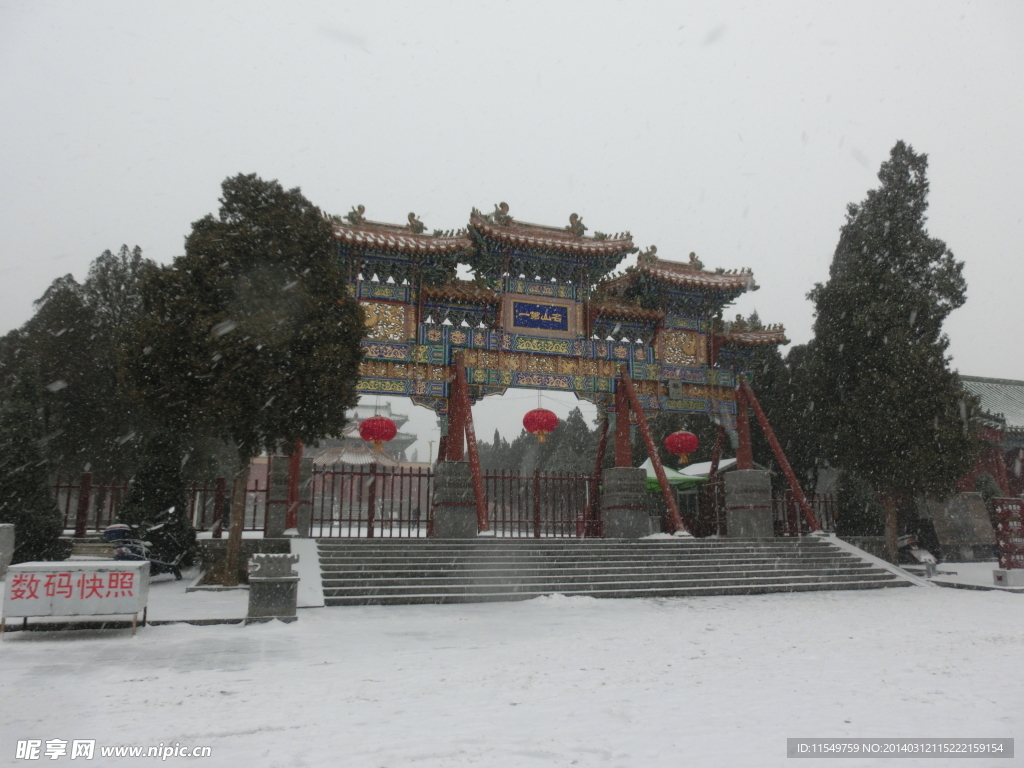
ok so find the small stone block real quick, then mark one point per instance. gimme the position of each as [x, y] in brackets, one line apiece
[1013, 577]
[272, 566]
[273, 586]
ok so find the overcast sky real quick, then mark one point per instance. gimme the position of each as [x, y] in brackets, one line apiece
[739, 131]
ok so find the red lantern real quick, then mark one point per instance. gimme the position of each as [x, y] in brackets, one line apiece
[681, 443]
[378, 430]
[539, 422]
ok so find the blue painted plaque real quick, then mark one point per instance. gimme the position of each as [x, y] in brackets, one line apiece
[549, 317]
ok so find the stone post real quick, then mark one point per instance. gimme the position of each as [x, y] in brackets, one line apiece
[624, 503]
[454, 503]
[748, 504]
[6, 547]
[273, 588]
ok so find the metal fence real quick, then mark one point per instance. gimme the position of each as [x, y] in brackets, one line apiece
[789, 519]
[209, 504]
[703, 511]
[89, 504]
[371, 500]
[541, 505]
[374, 500]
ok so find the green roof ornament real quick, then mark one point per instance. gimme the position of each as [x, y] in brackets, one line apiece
[576, 225]
[355, 216]
[415, 224]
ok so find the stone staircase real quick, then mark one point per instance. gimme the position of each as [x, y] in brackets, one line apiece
[402, 571]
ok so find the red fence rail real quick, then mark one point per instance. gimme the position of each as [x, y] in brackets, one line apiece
[376, 500]
[90, 504]
[371, 500]
[1009, 517]
[541, 505]
[209, 503]
[789, 519]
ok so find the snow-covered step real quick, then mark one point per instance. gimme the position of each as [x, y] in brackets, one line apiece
[393, 571]
[574, 577]
[580, 569]
[739, 589]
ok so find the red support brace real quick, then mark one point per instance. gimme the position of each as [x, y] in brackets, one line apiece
[716, 454]
[456, 422]
[780, 455]
[666, 492]
[623, 450]
[462, 396]
[744, 451]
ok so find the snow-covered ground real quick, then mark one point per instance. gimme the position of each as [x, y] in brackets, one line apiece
[974, 574]
[556, 681]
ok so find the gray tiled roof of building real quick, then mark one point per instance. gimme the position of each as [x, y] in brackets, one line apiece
[999, 396]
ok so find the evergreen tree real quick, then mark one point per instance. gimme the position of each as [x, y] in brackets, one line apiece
[157, 486]
[887, 406]
[251, 335]
[784, 389]
[26, 499]
[70, 347]
[571, 448]
[496, 454]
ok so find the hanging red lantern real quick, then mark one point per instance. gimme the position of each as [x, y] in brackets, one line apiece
[378, 430]
[681, 443]
[539, 422]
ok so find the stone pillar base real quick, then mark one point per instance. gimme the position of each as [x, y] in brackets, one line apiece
[624, 503]
[454, 503]
[748, 504]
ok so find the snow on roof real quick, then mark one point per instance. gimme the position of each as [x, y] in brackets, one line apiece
[999, 397]
[703, 468]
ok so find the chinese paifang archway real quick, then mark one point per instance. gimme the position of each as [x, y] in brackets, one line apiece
[543, 313]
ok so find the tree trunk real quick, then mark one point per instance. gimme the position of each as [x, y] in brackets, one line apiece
[237, 521]
[891, 531]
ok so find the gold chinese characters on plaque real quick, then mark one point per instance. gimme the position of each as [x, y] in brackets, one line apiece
[384, 321]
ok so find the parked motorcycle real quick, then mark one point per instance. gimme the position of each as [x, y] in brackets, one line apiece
[154, 543]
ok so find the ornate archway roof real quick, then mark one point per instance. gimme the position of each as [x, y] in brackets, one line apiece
[680, 274]
[763, 337]
[502, 229]
[506, 247]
